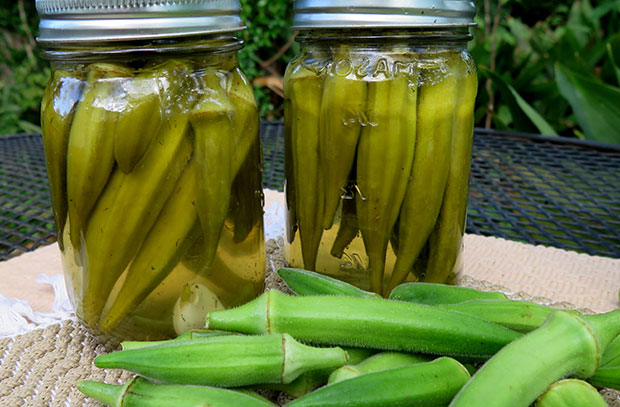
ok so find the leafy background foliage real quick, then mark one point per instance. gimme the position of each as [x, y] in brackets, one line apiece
[545, 66]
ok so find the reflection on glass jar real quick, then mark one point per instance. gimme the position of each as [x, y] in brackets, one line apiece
[379, 129]
[154, 163]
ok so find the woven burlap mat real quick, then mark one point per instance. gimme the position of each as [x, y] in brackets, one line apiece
[41, 368]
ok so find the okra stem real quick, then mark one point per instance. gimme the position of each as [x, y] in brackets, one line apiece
[366, 322]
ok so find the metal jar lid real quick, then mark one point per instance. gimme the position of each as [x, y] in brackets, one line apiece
[311, 14]
[81, 21]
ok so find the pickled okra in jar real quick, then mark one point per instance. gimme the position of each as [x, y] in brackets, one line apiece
[154, 163]
[379, 129]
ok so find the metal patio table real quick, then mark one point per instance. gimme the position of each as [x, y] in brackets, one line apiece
[534, 189]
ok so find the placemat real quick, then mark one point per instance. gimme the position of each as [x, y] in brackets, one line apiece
[41, 368]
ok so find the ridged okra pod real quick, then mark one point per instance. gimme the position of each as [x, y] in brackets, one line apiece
[436, 100]
[226, 360]
[425, 384]
[245, 120]
[566, 345]
[57, 111]
[607, 376]
[304, 282]
[127, 209]
[211, 120]
[445, 241]
[434, 294]
[316, 378]
[247, 157]
[384, 159]
[169, 237]
[90, 149]
[571, 393]
[191, 335]
[304, 89]
[342, 116]
[289, 167]
[521, 316]
[365, 322]
[139, 392]
[376, 363]
[348, 228]
[611, 357]
[141, 114]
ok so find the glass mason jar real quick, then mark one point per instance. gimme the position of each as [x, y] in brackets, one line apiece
[379, 124]
[154, 162]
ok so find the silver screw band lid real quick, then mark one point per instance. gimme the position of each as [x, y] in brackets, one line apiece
[80, 21]
[310, 14]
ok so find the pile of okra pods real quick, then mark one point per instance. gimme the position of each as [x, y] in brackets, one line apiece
[333, 344]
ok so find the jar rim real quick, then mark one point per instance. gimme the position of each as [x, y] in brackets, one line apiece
[321, 14]
[87, 21]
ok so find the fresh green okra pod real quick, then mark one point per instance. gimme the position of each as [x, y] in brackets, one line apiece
[229, 361]
[424, 384]
[433, 294]
[379, 362]
[521, 316]
[566, 345]
[607, 377]
[366, 322]
[139, 392]
[191, 335]
[611, 357]
[311, 380]
[304, 282]
[571, 393]
[608, 374]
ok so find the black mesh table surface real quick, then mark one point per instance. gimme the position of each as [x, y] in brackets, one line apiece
[528, 188]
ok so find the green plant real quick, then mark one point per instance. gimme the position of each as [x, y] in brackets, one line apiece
[549, 67]
[23, 73]
[268, 48]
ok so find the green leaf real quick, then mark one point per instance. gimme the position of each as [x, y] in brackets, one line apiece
[612, 60]
[508, 91]
[595, 104]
